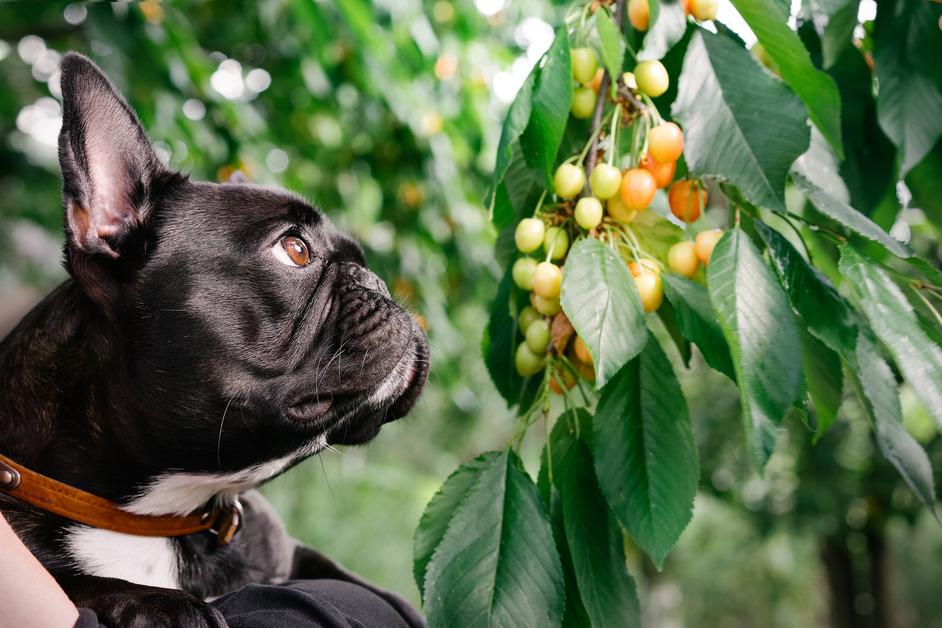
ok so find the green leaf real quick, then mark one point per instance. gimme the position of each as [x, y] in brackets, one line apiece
[824, 311]
[438, 513]
[869, 164]
[514, 124]
[841, 21]
[600, 298]
[893, 320]
[739, 122]
[762, 335]
[907, 49]
[612, 43]
[848, 216]
[500, 341]
[819, 165]
[666, 29]
[593, 536]
[497, 564]
[876, 388]
[669, 320]
[576, 615]
[551, 99]
[925, 183]
[814, 87]
[824, 380]
[518, 194]
[698, 322]
[645, 454]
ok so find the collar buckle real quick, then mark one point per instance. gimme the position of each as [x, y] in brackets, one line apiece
[228, 522]
[9, 477]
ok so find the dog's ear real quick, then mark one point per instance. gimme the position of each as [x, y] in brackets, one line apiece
[108, 165]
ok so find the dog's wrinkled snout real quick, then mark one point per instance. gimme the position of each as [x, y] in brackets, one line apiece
[364, 278]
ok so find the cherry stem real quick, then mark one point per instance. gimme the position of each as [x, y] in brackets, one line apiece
[600, 103]
[929, 305]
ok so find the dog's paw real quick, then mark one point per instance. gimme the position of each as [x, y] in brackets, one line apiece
[156, 608]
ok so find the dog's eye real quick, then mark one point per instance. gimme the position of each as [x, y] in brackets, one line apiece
[292, 251]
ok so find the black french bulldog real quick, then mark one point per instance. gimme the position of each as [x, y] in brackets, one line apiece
[210, 337]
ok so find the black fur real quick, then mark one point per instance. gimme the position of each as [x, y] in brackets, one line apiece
[182, 345]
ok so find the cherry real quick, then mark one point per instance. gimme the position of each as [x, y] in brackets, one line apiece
[665, 142]
[582, 351]
[523, 272]
[527, 362]
[529, 234]
[650, 290]
[538, 336]
[682, 259]
[586, 371]
[583, 102]
[617, 210]
[584, 64]
[703, 9]
[646, 265]
[706, 242]
[605, 181]
[568, 181]
[596, 83]
[663, 173]
[639, 14]
[561, 378]
[589, 212]
[546, 307]
[526, 317]
[638, 188]
[556, 242]
[652, 78]
[547, 280]
[687, 199]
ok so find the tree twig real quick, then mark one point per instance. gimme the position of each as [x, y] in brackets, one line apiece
[600, 103]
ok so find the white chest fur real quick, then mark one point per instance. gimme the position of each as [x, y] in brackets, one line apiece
[140, 559]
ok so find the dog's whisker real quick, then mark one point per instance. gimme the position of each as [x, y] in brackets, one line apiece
[219, 438]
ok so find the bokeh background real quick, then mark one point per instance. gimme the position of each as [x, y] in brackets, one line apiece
[386, 113]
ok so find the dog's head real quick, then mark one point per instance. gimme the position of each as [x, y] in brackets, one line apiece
[240, 325]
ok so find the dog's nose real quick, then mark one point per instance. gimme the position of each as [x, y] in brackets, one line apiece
[364, 278]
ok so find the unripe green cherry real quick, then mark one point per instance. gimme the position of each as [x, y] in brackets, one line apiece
[526, 317]
[546, 307]
[527, 362]
[589, 212]
[584, 64]
[529, 234]
[568, 181]
[523, 272]
[538, 336]
[652, 78]
[605, 181]
[547, 281]
[556, 243]
[583, 102]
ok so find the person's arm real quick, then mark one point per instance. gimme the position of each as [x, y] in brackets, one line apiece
[29, 596]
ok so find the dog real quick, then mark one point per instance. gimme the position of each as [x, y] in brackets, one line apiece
[210, 337]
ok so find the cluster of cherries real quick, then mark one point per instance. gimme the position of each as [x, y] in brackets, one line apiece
[639, 13]
[613, 200]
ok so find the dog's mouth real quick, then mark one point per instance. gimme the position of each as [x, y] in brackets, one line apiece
[319, 411]
[310, 409]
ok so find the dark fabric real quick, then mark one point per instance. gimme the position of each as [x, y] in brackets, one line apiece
[300, 603]
[87, 619]
[313, 603]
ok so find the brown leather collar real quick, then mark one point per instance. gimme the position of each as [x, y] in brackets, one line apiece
[67, 501]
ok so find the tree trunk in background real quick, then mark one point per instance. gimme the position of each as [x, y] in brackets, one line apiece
[840, 574]
[876, 548]
[849, 579]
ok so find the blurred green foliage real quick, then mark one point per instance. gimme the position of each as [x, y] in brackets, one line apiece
[386, 113]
